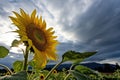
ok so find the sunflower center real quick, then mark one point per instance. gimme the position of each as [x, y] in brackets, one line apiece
[37, 36]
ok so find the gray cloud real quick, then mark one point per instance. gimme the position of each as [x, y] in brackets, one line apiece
[104, 32]
[3, 44]
[11, 58]
[96, 28]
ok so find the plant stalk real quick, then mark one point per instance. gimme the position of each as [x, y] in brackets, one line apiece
[52, 70]
[26, 59]
[7, 69]
[69, 72]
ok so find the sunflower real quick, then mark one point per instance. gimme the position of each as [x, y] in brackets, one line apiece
[32, 29]
[54, 71]
[42, 76]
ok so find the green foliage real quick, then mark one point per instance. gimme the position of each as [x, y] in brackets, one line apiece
[79, 72]
[79, 75]
[15, 43]
[3, 52]
[17, 66]
[85, 70]
[116, 74]
[76, 57]
[18, 76]
[31, 63]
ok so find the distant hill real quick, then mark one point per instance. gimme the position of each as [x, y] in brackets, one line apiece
[95, 66]
[66, 66]
[6, 64]
[101, 67]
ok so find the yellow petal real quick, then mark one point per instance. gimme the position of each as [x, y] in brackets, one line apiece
[17, 15]
[33, 14]
[36, 21]
[17, 23]
[39, 58]
[50, 29]
[44, 25]
[13, 19]
[23, 13]
[40, 20]
[51, 55]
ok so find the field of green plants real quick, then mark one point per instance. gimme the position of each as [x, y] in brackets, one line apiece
[78, 73]
[75, 72]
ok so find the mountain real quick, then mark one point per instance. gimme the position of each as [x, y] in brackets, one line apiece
[101, 67]
[95, 66]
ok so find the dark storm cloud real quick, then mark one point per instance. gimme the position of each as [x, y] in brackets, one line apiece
[100, 28]
[3, 10]
[103, 31]
[96, 28]
[63, 47]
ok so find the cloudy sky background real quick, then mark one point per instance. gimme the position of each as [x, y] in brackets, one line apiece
[81, 25]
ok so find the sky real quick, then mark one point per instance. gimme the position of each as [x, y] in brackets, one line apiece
[81, 25]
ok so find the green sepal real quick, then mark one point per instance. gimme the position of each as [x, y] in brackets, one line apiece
[16, 43]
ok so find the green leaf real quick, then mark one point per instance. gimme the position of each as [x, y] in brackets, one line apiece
[79, 75]
[34, 66]
[31, 63]
[17, 66]
[3, 52]
[76, 57]
[85, 70]
[16, 43]
[18, 76]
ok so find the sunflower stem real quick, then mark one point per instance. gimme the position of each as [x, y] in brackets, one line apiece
[26, 59]
[69, 72]
[52, 70]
